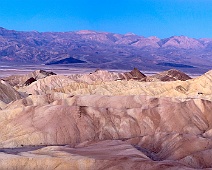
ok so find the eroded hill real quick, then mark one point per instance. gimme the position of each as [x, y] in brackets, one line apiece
[107, 120]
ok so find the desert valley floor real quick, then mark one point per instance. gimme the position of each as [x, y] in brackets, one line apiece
[95, 120]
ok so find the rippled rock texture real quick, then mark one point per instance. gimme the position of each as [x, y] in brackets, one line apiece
[99, 122]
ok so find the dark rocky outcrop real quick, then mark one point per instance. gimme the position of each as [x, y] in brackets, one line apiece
[135, 74]
[30, 81]
[170, 75]
[45, 73]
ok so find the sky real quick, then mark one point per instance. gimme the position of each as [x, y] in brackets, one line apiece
[161, 18]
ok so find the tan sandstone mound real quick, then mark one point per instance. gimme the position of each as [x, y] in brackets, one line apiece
[135, 74]
[20, 80]
[154, 130]
[109, 154]
[104, 117]
[105, 121]
[45, 85]
[98, 75]
[105, 76]
[199, 87]
[7, 93]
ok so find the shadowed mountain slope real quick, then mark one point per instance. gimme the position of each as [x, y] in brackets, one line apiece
[105, 50]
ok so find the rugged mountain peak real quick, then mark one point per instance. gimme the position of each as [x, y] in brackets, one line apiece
[86, 32]
[4, 31]
[1, 28]
[151, 42]
[182, 42]
[129, 34]
[154, 38]
[104, 50]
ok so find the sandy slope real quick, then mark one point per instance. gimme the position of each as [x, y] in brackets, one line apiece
[97, 122]
[199, 87]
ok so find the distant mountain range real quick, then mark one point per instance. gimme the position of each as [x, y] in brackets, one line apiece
[105, 50]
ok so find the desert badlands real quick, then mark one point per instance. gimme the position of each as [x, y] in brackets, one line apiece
[106, 120]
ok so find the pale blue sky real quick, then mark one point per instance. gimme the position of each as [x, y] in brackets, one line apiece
[161, 18]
